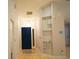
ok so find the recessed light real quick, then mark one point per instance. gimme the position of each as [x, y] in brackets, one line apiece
[29, 12]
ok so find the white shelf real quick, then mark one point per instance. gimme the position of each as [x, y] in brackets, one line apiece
[46, 17]
[46, 27]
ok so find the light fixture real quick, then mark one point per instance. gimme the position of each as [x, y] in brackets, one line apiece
[29, 13]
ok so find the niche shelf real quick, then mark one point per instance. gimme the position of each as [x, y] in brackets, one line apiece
[46, 28]
[46, 23]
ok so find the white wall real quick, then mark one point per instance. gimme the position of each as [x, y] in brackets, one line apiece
[13, 39]
[30, 22]
[61, 13]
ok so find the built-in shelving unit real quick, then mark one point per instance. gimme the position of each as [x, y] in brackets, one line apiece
[46, 23]
[46, 26]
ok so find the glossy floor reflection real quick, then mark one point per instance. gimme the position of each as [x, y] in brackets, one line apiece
[36, 54]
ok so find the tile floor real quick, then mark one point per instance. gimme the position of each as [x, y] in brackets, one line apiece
[35, 54]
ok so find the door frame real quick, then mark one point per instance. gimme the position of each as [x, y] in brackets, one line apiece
[33, 38]
[12, 39]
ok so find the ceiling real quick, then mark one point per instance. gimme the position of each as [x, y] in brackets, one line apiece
[32, 5]
[29, 5]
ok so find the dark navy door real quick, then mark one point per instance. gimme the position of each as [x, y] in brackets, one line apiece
[26, 37]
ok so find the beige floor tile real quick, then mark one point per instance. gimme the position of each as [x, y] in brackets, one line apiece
[36, 54]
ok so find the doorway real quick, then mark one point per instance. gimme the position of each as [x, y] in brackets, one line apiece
[26, 38]
[67, 34]
[11, 41]
[67, 38]
[33, 37]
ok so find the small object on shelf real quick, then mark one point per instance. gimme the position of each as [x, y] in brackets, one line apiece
[46, 18]
[49, 25]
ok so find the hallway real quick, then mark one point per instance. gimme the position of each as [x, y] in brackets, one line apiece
[36, 54]
[36, 29]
